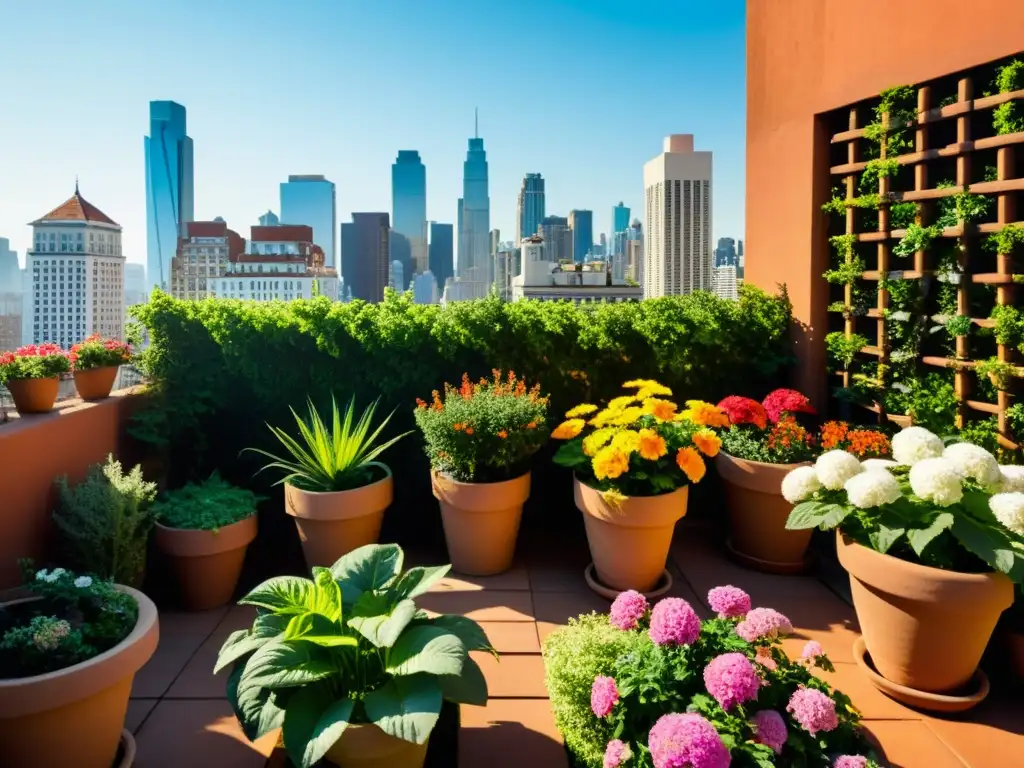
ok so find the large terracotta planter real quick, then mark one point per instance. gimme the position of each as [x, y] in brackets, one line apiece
[758, 514]
[34, 395]
[629, 540]
[96, 383]
[75, 716]
[924, 628]
[207, 564]
[367, 746]
[481, 522]
[333, 524]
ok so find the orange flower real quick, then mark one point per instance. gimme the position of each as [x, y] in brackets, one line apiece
[503, 434]
[691, 463]
[532, 425]
[866, 443]
[651, 445]
[420, 403]
[469, 430]
[704, 414]
[458, 426]
[707, 442]
[833, 434]
[663, 410]
[567, 430]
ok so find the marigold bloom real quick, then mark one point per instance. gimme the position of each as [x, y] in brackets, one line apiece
[580, 410]
[618, 403]
[627, 441]
[833, 434]
[707, 442]
[597, 439]
[653, 389]
[610, 463]
[651, 445]
[458, 426]
[567, 430]
[867, 443]
[704, 414]
[691, 463]
[503, 434]
[638, 384]
[664, 410]
[627, 416]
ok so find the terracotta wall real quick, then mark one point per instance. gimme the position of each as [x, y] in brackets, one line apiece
[806, 58]
[36, 450]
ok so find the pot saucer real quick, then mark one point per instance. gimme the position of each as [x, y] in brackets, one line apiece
[978, 687]
[663, 586]
[125, 751]
[769, 566]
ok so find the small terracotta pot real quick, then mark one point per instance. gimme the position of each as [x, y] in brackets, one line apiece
[924, 628]
[34, 395]
[758, 514]
[333, 524]
[207, 564]
[96, 383]
[367, 746]
[75, 716]
[481, 522]
[629, 541]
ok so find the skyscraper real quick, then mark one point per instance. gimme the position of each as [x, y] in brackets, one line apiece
[170, 188]
[409, 207]
[310, 200]
[474, 261]
[442, 262]
[11, 299]
[269, 219]
[620, 218]
[396, 278]
[364, 255]
[725, 253]
[530, 207]
[582, 225]
[557, 238]
[677, 213]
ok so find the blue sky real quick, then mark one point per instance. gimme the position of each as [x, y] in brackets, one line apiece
[582, 91]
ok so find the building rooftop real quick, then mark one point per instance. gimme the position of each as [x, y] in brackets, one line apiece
[77, 208]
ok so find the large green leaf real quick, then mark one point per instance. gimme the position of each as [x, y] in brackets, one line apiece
[246, 641]
[284, 595]
[426, 648]
[285, 664]
[319, 630]
[313, 723]
[920, 538]
[406, 707]
[416, 581]
[883, 537]
[379, 618]
[805, 515]
[257, 709]
[468, 688]
[327, 598]
[468, 631]
[991, 544]
[367, 568]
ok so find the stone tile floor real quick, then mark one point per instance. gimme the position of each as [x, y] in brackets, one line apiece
[180, 715]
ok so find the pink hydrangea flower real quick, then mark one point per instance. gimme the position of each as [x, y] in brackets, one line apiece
[813, 710]
[729, 602]
[627, 610]
[850, 761]
[770, 729]
[731, 679]
[686, 741]
[812, 651]
[765, 660]
[616, 754]
[603, 695]
[763, 624]
[674, 621]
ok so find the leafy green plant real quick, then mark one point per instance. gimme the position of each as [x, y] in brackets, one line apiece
[1006, 241]
[42, 361]
[874, 170]
[338, 458]
[958, 325]
[842, 348]
[1015, 418]
[981, 432]
[902, 215]
[1007, 117]
[917, 238]
[964, 207]
[103, 523]
[205, 506]
[997, 371]
[847, 272]
[933, 402]
[1009, 328]
[312, 669]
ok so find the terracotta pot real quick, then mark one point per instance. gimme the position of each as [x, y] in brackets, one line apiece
[924, 628]
[75, 716]
[367, 746]
[96, 383]
[207, 564]
[34, 395]
[758, 514]
[629, 541]
[333, 524]
[481, 522]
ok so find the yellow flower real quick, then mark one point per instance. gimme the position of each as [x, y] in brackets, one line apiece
[626, 441]
[603, 418]
[597, 439]
[654, 389]
[580, 410]
[691, 463]
[627, 416]
[704, 414]
[638, 384]
[567, 430]
[618, 403]
[651, 445]
[660, 409]
[609, 463]
[707, 442]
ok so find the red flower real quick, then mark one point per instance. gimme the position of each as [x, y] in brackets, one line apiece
[743, 410]
[783, 401]
[6, 358]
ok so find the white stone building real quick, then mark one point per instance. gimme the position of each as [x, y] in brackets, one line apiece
[204, 254]
[726, 284]
[281, 264]
[550, 281]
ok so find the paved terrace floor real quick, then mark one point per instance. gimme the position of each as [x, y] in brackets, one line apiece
[180, 715]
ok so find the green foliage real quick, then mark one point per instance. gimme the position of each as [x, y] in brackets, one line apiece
[1006, 241]
[902, 215]
[1015, 417]
[983, 432]
[205, 506]
[917, 238]
[847, 272]
[933, 402]
[959, 325]
[103, 523]
[1009, 329]
[314, 669]
[786, 442]
[874, 170]
[42, 361]
[1008, 117]
[1000, 373]
[835, 205]
[962, 208]
[97, 352]
[843, 348]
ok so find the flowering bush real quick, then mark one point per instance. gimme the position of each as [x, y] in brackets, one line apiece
[97, 352]
[34, 361]
[862, 443]
[949, 507]
[750, 437]
[640, 444]
[75, 619]
[484, 432]
[670, 691]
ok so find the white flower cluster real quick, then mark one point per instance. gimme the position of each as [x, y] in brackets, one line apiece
[83, 582]
[799, 484]
[834, 468]
[973, 461]
[872, 489]
[1009, 510]
[913, 444]
[50, 577]
[1013, 479]
[937, 480]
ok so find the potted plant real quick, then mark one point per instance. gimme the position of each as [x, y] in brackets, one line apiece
[68, 655]
[933, 542]
[359, 687]
[32, 375]
[95, 363]
[480, 439]
[333, 486]
[633, 462]
[205, 530]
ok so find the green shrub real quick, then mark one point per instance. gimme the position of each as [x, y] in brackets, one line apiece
[205, 506]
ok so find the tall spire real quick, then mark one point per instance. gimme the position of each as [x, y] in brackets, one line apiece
[76, 184]
[476, 123]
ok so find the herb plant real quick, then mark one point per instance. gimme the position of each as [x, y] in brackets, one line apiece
[97, 352]
[998, 372]
[206, 506]
[842, 348]
[33, 361]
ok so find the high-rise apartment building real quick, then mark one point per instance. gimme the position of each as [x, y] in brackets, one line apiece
[281, 263]
[620, 218]
[582, 225]
[557, 238]
[310, 200]
[409, 208]
[725, 284]
[204, 254]
[725, 253]
[634, 251]
[269, 219]
[442, 261]
[134, 284]
[170, 188]
[530, 206]
[11, 300]
[365, 251]
[741, 261]
[77, 273]
[474, 252]
[677, 213]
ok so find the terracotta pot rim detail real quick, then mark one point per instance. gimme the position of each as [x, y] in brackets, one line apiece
[635, 511]
[383, 487]
[481, 497]
[200, 542]
[754, 475]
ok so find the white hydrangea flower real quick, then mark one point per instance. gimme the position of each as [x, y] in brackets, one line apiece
[1009, 510]
[56, 573]
[912, 444]
[799, 484]
[873, 465]
[42, 575]
[83, 582]
[1013, 478]
[937, 480]
[834, 468]
[872, 489]
[975, 462]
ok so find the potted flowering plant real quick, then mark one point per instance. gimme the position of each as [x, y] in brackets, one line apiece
[68, 655]
[933, 541]
[679, 692]
[763, 443]
[633, 462]
[32, 375]
[95, 363]
[480, 439]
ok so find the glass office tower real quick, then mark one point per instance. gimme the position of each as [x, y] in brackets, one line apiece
[310, 200]
[170, 188]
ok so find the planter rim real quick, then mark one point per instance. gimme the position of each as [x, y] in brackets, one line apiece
[448, 479]
[94, 368]
[576, 479]
[665, 509]
[384, 479]
[199, 542]
[38, 378]
[725, 455]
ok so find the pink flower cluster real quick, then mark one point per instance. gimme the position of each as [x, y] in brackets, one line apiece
[763, 624]
[812, 651]
[627, 610]
[674, 622]
[850, 761]
[615, 754]
[731, 679]
[687, 741]
[604, 695]
[813, 710]
[783, 401]
[770, 729]
[729, 602]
